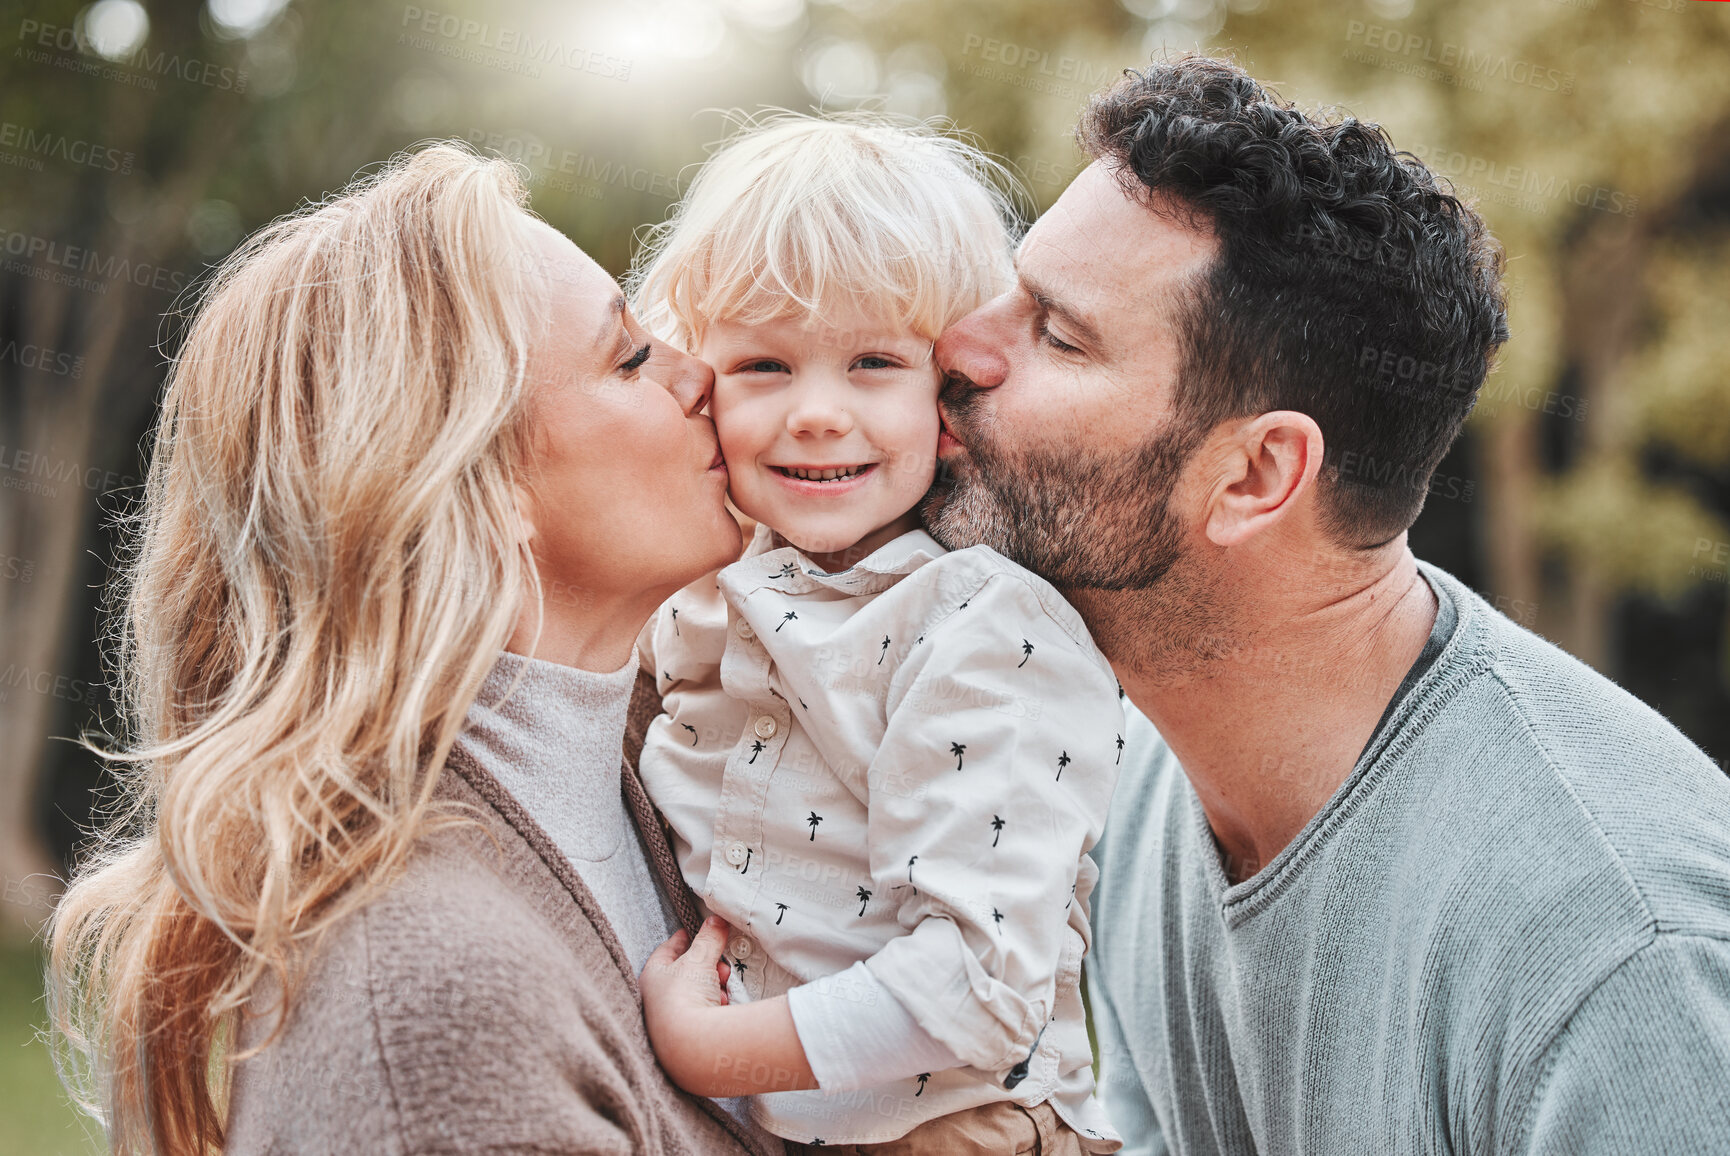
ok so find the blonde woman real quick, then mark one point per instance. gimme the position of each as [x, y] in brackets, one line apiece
[381, 883]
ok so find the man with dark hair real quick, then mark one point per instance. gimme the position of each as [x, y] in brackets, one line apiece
[1385, 873]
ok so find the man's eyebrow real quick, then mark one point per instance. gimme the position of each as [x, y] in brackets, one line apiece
[1079, 324]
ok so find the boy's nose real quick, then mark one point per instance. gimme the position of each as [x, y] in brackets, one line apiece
[818, 409]
[819, 419]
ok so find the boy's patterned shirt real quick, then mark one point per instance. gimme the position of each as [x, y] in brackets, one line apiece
[904, 763]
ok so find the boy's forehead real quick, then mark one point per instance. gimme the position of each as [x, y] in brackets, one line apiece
[840, 323]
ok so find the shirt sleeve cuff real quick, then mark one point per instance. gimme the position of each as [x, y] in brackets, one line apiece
[857, 1035]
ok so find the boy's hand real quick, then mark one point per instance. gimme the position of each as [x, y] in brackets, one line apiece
[700, 970]
[679, 983]
[708, 1048]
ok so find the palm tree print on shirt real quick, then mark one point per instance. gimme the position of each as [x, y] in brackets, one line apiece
[1120, 749]
[921, 1077]
[863, 895]
[1026, 653]
[782, 908]
[812, 823]
[1063, 760]
[885, 653]
[997, 827]
[676, 622]
[756, 749]
[958, 749]
[693, 731]
[786, 618]
[997, 917]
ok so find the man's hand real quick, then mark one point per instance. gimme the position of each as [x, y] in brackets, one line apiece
[707, 1047]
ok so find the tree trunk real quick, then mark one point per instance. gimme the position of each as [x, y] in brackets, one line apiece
[1601, 301]
[1509, 465]
[67, 424]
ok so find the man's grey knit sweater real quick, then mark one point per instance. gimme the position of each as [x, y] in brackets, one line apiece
[1507, 932]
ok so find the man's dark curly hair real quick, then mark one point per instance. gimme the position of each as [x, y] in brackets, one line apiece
[1348, 284]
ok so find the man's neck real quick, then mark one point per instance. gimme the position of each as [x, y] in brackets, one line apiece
[1269, 713]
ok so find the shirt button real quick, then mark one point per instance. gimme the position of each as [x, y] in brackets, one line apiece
[740, 947]
[765, 727]
[736, 853]
[743, 630]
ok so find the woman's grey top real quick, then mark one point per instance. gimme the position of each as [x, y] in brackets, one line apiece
[553, 736]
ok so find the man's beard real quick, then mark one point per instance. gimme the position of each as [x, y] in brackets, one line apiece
[1079, 522]
[1100, 530]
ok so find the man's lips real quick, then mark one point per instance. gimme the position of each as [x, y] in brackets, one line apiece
[946, 441]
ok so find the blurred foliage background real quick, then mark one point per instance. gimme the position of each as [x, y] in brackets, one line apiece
[139, 141]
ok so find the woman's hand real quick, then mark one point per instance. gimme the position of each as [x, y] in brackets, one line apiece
[707, 1047]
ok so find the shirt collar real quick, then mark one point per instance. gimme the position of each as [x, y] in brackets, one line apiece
[789, 569]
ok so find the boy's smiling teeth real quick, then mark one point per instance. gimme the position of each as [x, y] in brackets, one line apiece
[830, 475]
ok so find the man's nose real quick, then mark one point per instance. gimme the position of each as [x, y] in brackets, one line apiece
[972, 349]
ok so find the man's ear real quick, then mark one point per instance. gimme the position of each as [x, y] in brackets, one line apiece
[525, 504]
[1268, 463]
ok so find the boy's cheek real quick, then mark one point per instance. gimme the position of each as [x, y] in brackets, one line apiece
[740, 425]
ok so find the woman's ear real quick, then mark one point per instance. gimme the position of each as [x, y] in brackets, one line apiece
[1271, 462]
[525, 504]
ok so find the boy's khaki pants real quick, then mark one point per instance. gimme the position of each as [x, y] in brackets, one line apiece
[1003, 1126]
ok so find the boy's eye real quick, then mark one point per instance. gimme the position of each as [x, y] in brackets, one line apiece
[1053, 340]
[873, 361]
[636, 359]
[764, 365]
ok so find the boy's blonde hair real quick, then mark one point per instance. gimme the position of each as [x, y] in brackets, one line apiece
[808, 215]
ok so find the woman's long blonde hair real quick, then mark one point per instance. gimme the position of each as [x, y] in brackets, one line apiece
[324, 567]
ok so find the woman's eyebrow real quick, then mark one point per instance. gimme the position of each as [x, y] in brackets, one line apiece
[615, 318]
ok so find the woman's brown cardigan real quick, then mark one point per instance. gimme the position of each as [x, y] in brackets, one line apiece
[481, 1004]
